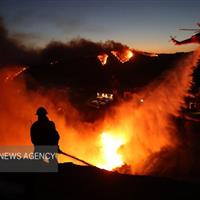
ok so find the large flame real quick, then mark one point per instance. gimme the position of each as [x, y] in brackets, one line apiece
[123, 55]
[110, 149]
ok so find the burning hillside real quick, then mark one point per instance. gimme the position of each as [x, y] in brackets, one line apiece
[134, 132]
[130, 133]
[103, 58]
[123, 55]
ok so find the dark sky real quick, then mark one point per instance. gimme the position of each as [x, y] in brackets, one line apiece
[141, 24]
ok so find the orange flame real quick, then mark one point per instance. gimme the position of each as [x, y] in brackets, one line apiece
[135, 129]
[123, 56]
[110, 147]
[103, 58]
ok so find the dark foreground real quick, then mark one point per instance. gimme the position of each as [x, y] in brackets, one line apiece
[80, 182]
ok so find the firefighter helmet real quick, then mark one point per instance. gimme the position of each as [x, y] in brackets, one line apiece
[41, 111]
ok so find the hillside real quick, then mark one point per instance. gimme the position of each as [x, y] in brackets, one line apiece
[81, 182]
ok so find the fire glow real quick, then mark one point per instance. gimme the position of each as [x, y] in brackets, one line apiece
[130, 134]
[110, 147]
[103, 58]
[123, 56]
[15, 74]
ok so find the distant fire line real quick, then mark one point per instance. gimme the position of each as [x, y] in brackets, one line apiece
[123, 56]
[12, 76]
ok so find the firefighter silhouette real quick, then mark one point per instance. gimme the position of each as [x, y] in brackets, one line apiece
[44, 134]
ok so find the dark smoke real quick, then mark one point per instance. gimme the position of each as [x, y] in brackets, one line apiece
[75, 63]
[12, 51]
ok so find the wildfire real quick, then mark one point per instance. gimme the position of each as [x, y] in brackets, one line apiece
[124, 55]
[143, 133]
[153, 55]
[110, 149]
[103, 58]
[11, 76]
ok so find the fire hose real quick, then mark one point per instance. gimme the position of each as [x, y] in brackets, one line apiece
[75, 158]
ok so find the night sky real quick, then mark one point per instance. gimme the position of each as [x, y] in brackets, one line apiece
[141, 24]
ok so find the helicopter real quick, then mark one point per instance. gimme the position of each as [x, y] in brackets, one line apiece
[194, 39]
